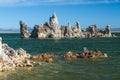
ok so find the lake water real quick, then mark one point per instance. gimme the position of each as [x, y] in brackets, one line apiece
[76, 69]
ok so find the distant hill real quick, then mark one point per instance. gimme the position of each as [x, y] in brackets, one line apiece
[9, 30]
[14, 30]
[115, 29]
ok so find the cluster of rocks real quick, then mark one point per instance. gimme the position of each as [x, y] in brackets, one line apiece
[93, 31]
[11, 59]
[52, 29]
[85, 54]
[46, 57]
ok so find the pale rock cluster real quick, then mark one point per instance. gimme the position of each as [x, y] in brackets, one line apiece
[52, 29]
[86, 54]
[11, 59]
[93, 31]
[24, 31]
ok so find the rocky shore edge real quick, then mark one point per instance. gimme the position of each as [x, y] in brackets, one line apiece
[11, 59]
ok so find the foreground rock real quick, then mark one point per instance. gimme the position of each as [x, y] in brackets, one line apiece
[11, 59]
[85, 54]
[52, 29]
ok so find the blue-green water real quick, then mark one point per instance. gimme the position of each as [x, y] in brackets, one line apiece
[78, 69]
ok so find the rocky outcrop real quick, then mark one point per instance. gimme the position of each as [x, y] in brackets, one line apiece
[70, 55]
[107, 31]
[93, 31]
[23, 30]
[71, 32]
[47, 57]
[49, 29]
[85, 54]
[11, 59]
[52, 29]
[77, 30]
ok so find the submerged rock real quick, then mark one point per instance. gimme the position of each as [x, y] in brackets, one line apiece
[85, 54]
[47, 57]
[70, 54]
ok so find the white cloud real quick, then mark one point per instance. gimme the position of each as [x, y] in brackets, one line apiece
[52, 2]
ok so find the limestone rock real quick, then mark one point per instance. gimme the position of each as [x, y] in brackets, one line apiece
[107, 31]
[70, 55]
[92, 54]
[23, 30]
[35, 31]
[67, 31]
[54, 25]
[47, 57]
[52, 29]
[77, 31]
[85, 54]
[10, 59]
[49, 29]
[93, 31]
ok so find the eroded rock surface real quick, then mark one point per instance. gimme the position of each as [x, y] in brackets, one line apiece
[11, 59]
[85, 54]
[23, 30]
[52, 29]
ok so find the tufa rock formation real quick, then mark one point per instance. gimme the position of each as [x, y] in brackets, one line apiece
[49, 29]
[47, 57]
[11, 59]
[52, 29]
[85, 54]
[23, 30]
[93, 31]
[107, 31]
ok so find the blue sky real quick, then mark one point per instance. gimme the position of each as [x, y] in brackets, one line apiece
[87, 12]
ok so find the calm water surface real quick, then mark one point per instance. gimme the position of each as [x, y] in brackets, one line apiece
[77, 69]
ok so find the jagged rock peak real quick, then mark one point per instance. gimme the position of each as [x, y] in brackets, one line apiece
[78, 25]
[108, 27]
[69, 24]
[54, 15]
[54, 20]
[108, 31]
[23, 30]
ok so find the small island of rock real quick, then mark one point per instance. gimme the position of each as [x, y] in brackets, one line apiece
[52, 29]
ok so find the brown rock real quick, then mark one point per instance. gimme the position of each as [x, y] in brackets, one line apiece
[70, 54]
[44, 57]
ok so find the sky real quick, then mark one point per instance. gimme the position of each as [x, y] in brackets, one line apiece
[87, 12]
